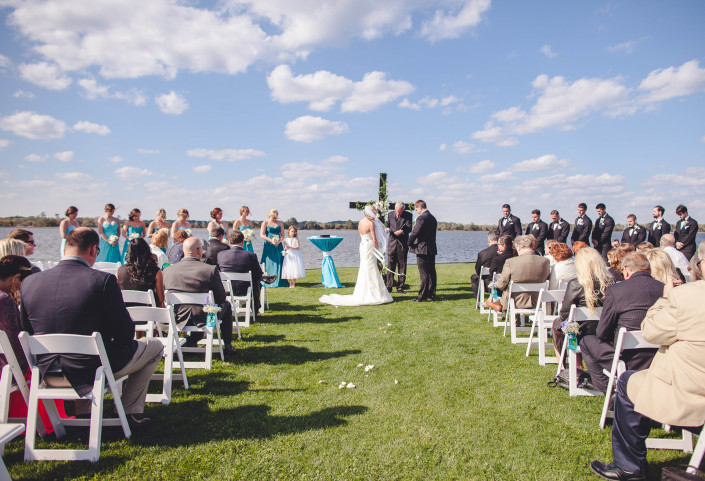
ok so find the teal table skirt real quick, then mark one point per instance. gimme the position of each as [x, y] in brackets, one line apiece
[329, 276]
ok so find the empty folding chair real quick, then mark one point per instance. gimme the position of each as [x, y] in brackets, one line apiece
[145, 298]
[246, 303]
[228, 287]
[542, 322]
[8, 432]
[513, 310]
[578, 314]
[480, 301]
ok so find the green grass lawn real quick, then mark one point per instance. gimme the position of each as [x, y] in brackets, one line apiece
[448, 398]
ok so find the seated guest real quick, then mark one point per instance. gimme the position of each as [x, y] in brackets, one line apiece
[586, 290]
[577, 245]
[176, 252]
[662, 269]
[237, 259]
[564, 269]
[484, 259]
[192, 275]
[72, 298]
[549, 244]
[140, 271]
[158, 246]
[28, 238]
[668, 244]
[214, 246]
[625, 305]
[525, 267]
[696, 273]
[685, 232]
[643, 247]
[505, 250]
[634, 234]
[12, 247]
[614, 259]
[13, 270]
[671, 391]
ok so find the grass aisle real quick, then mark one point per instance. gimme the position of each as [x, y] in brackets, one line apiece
[467, 405]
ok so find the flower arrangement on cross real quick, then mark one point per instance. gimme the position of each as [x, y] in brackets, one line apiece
[382, 204]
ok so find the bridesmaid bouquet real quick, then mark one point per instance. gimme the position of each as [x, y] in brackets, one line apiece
[134, 235]
[112, 240]
[249, 236]
[275, 238]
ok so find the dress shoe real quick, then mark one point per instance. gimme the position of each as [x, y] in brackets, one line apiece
[400, 291]
[138, 424]
[612, 471]
[229, 350]
[494, 305]
[389, 289]
[418, 300]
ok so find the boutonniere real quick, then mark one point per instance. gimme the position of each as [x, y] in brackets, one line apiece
[580, 222]
[686, 226]
[657, 226]
[536, 226]
[602, 221]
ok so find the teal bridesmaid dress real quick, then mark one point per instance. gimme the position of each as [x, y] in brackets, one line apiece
[63, 241]
[272, 258]
[130, 230]
[109, 253]
[246, 245]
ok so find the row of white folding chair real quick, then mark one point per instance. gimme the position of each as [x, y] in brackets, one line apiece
[198, 298]
[513, 311]
[577, 314]
[480, 300]
[8, 432]
[145, 298]
[542, 322]
[246, 303]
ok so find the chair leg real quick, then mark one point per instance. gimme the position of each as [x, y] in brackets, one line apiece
[697, 458]
[96, 427]
[180, 356]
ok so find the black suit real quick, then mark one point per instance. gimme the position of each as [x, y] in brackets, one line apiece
[72, 298]
[484, 259]
[656, 230]
[398, 247]
[685, 232]
[581, 230]
[625, 305]
[540, 231]
[602, 234]
[634, 235]
[213, 247]
[512, 226]
[422, 242]
[559, 231]
[238, 259]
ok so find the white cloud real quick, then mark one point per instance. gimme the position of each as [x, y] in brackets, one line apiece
[446, 24]
[129, 173]
[91, 128]
[66, 156]
[479, 167]
[172, 103]
[308, 128]
[625, 47]
[306, 171]
[374, 90]
[94, 90]
[429, 102]
[231, 155]
[461, 147]
[23, 94]
[4, 143]
[30, 184]
[444, 147]
[201, 169]
[74, 176]
[546, 50]
[701, 140]
[691, 177]
[545, 162]
[671, 82]
[115, 160]
[449, 100]
[4, 175]
[45, 75]
[33, 125]
[148, 151]
[36, 158]
[5, 62]
[406, 104]
[435, 178]
[498, 177]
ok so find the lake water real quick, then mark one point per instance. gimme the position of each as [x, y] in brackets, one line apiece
[453, 246]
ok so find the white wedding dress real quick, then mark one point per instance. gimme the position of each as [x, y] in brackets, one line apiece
[369, 288]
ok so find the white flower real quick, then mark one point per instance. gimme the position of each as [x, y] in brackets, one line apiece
[350, 386]
[164, 229]
[369, 367]
[322, 381]
[113, 239]
[396, 382]
[135, 235]
[275, 238]
[342, 385]
[249, 236]
[188, 231]
[360, 365]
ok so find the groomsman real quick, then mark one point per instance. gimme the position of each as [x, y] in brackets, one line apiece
[582, 227]
[399, 226]
[602, 233]
[686, 230]
[559, 229]
[509, 224]
[658, 227]
[422, 242]
[634, 234]
[538, 229]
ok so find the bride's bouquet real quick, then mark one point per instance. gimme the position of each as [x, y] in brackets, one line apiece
[249, 235]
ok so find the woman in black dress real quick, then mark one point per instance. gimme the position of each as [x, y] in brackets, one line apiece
[140, 271]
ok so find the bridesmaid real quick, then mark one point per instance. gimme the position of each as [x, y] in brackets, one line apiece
[158, 223]
[272, 233]
[67, 225]
[217, 215]
[132, 229]
[243, 224]
[181, 223]
[109, 226]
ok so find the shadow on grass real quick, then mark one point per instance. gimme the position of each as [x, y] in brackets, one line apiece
[214, 383]
[264, 338]
[286, 355]
[284, 318]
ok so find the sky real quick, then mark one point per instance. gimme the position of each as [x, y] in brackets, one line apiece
[298, 105]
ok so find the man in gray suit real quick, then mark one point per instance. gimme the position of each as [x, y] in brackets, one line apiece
[192, 275]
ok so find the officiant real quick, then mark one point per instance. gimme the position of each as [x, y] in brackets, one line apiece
[398, 226]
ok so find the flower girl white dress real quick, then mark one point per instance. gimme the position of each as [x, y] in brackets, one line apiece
[293, 265]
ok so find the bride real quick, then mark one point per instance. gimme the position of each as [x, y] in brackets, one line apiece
[369, 288]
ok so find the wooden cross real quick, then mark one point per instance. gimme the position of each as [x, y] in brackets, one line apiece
[382, 197]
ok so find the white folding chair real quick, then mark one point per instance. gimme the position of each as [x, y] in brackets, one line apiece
[577, 314]
[513, 311]
[51, 264]
[227, 286]
[246, 303]
[145, 298]
[480, 301]
[70, 344]
[164, 318]
[697, 458]
[177, 298]
[264, 295]
[543, 322]
[491, 313]
[8, 432]
[106, 265]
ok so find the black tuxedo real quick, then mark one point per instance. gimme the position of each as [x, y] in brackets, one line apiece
[398, 247]
[559, 231]
[422, 242]
[484, 259]
[540, 231]
[72, 298]
[581, 230]
[511, 228]
[213, 247]
[238, 259]
[657, 229]
[685, 232]
[625, 305]
[634, 235]
[602, 234]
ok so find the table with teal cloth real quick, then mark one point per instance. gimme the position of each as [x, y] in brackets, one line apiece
[328, 273]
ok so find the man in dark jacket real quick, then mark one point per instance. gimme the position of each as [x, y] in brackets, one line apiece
[422, 242]
[582, 227]
[72, 298]
[237, 259]
[509, 224]
[538, 229]
[602, 233]
[685, 233]
[558, 229]
[399, 226]
[214, 246]
[634, 234]
[484, 259]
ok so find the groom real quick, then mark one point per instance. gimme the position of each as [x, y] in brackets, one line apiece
[422, 242]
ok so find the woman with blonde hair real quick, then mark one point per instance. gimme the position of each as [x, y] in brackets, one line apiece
[12, 247]
[158, 223]
[158, 246]
[181, 223]
[586, 290]
[272, 233]
[662, 268]
[245, 225]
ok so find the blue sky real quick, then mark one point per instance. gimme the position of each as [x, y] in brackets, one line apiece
[298, 105]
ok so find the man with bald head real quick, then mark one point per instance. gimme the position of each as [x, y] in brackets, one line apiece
[668, 244]
[192, 275]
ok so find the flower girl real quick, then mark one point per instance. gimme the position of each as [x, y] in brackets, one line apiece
[293, 266]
